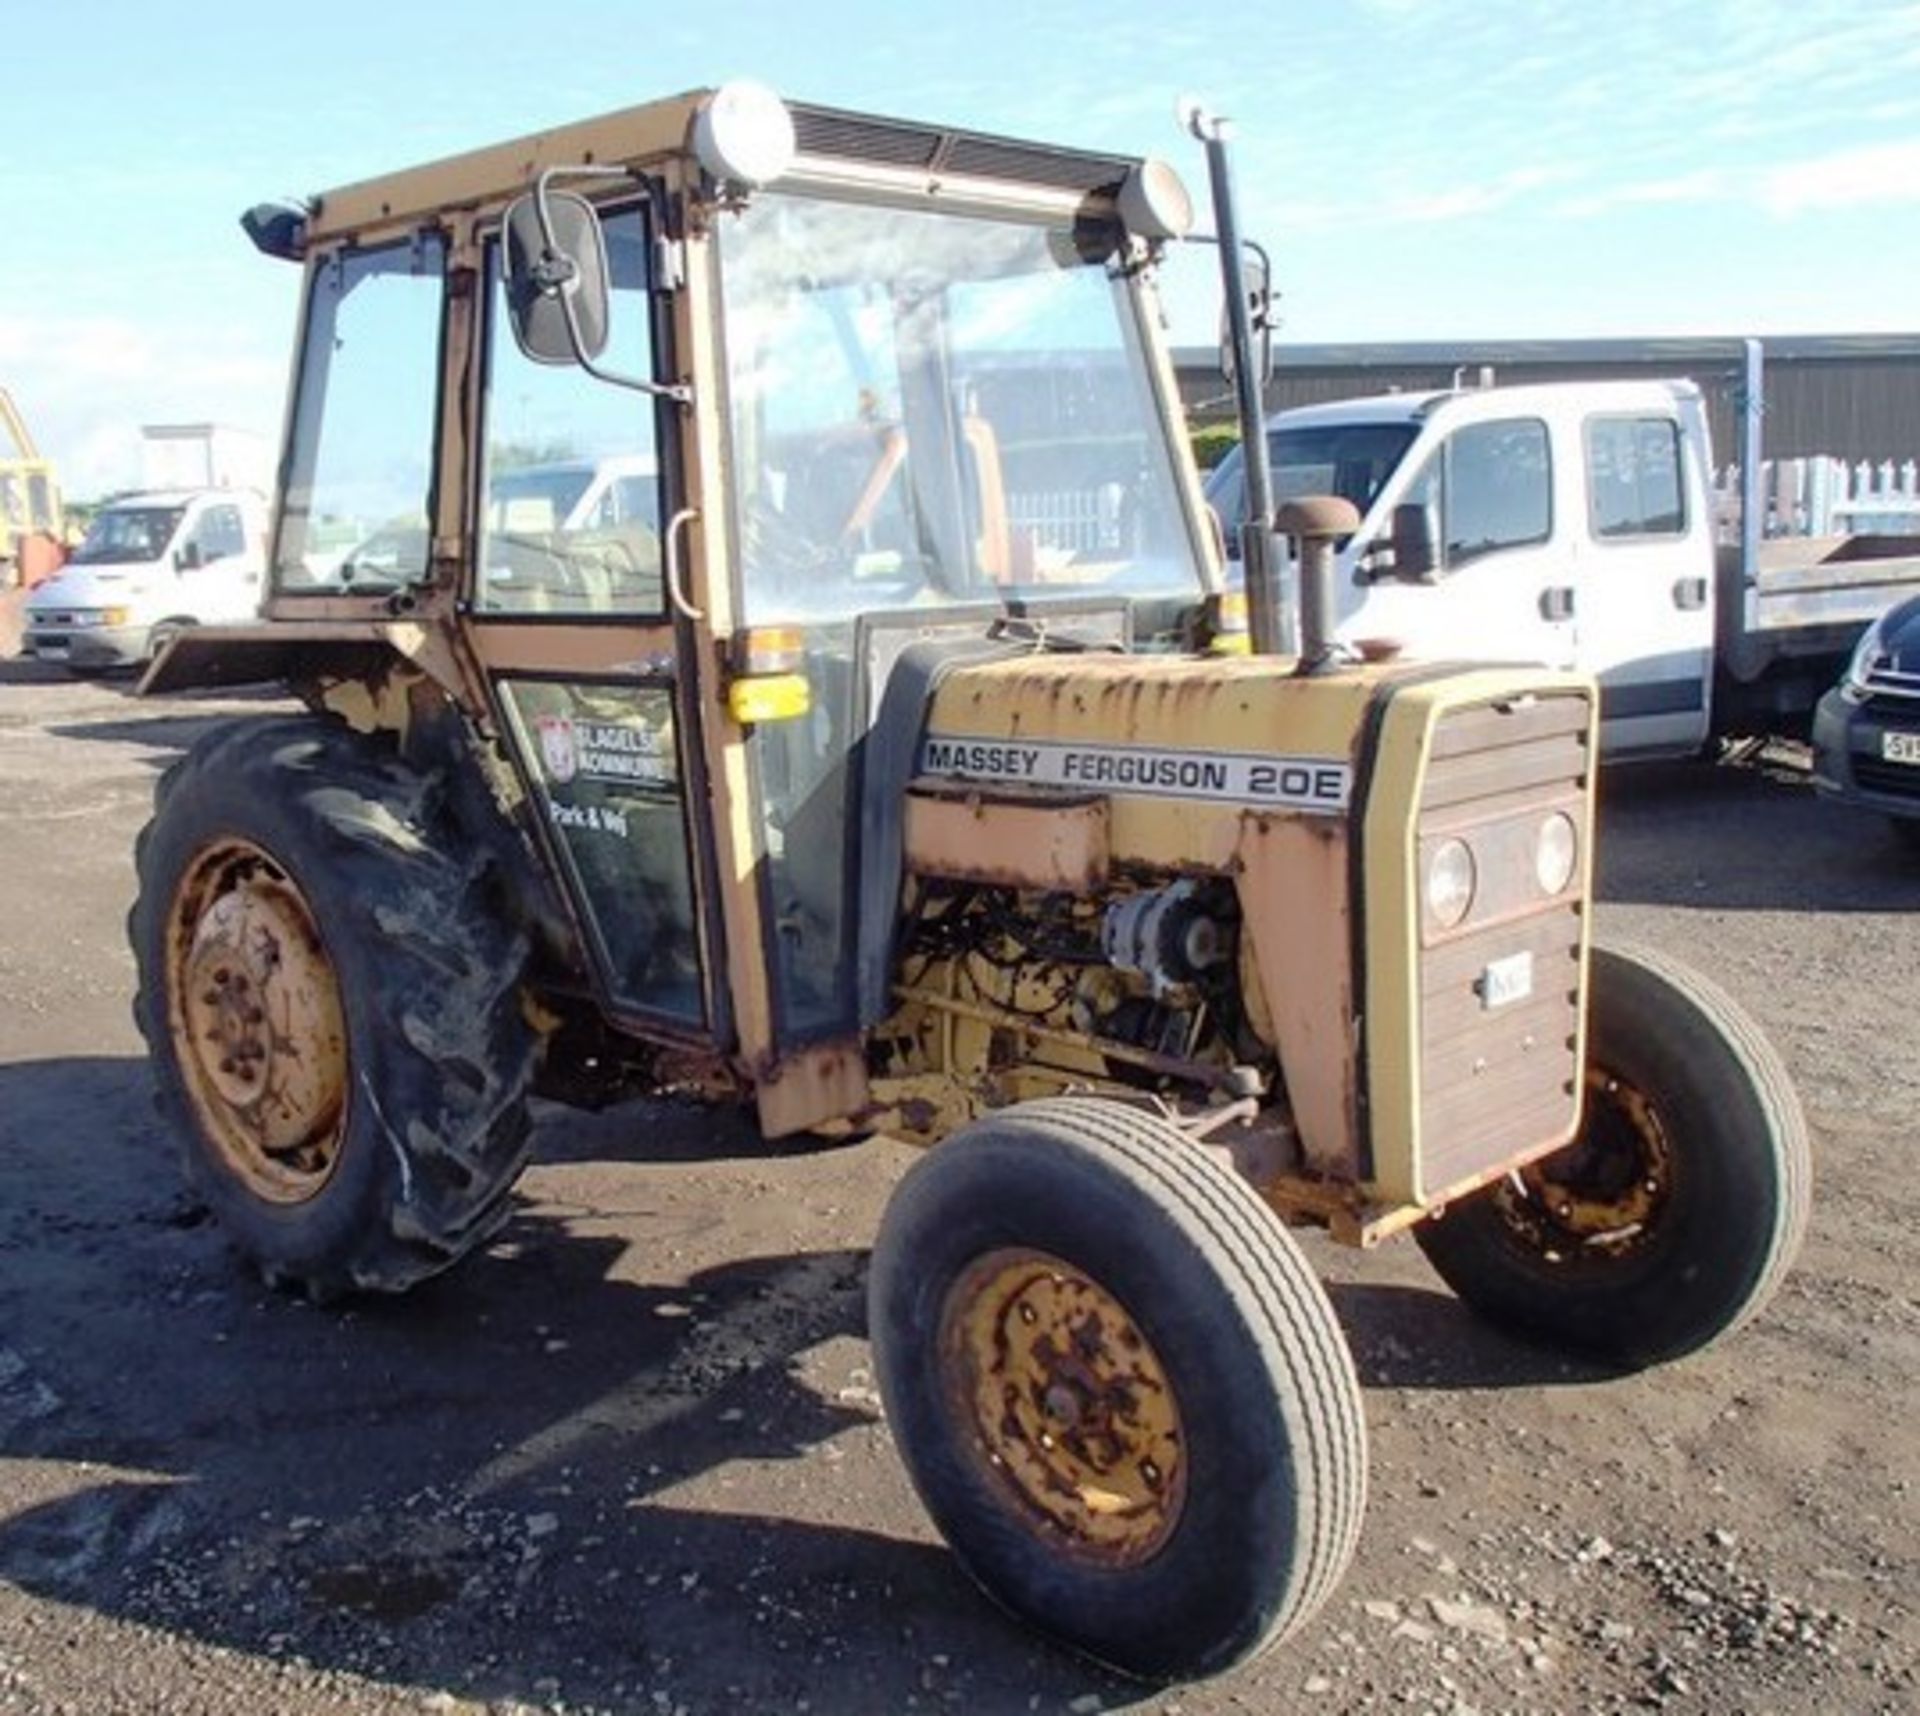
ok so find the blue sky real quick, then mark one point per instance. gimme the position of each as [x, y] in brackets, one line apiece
[1421, 169]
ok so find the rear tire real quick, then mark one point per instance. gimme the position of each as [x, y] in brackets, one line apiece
[1674, 1215]
[1119, 1390]
[332, 1006]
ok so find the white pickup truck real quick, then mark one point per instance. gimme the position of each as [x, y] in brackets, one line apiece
[151, 564]
[1574, 524]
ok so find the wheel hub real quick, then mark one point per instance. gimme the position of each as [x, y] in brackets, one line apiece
[1601, 1196]
[1069, 1405]
[257, 1023]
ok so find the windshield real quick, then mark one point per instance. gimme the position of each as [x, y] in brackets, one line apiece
[122, 536]
[931, 408]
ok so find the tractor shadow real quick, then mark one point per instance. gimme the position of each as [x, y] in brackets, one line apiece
[1416, 1338]
[476, 1489]
[175, 724]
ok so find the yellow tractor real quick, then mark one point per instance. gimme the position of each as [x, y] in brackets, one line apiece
[32, 524]
[761, 633]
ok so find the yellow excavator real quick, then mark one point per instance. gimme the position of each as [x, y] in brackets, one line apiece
[31, 518]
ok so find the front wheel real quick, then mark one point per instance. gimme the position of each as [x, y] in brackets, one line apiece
[1117, 1386]
[1675, 1213]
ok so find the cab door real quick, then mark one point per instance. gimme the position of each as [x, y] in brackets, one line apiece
[1645, 615]
[1501, 586]
[589, 663]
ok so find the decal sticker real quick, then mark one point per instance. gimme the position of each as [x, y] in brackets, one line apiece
[1146, 771]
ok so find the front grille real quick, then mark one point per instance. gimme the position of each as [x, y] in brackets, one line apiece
[1886, 680]
[1501, 1082]
[1900, 780]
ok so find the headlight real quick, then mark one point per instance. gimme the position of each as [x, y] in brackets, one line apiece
[1450, 881]
[1556, 852]
[1865, 652]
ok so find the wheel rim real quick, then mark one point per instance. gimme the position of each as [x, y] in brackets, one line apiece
[1602, 1197]
[256, 1022]
[1067, 1405]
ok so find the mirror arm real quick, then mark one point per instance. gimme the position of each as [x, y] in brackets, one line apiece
[555, 270]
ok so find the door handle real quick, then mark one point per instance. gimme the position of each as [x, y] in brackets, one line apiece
[676, 589]
[1690, 592]
[1556, 602]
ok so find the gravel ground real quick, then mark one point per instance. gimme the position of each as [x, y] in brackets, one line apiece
[631, 1458]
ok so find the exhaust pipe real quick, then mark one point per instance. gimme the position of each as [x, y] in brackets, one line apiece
[1266, 623]
[1314, 523]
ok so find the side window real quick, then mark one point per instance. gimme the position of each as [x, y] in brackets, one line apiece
[354, 514]
[1499, 488]
[219, 534]
[1633, 477]
[570, 498]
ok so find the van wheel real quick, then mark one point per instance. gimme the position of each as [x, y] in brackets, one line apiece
[1119, 1390]
[334, 1014]
[1675, 1213]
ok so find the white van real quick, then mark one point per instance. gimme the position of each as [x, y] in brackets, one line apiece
[1572, 524]
[151, 564]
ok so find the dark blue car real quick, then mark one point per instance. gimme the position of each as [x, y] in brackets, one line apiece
[1866, 732]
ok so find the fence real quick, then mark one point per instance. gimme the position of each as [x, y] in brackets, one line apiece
[1825, 497]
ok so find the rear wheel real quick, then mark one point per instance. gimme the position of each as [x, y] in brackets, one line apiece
[1117, 1386]
[332, 1008]
[1674, 1215]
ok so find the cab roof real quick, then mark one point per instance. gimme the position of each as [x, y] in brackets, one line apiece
[656, 129]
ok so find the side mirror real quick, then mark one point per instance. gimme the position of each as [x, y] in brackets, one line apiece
[1256, 286]
[190, 558]
[556, 274]
[1416, 543]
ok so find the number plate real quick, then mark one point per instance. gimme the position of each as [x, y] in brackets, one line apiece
[1900, 747]
[1506, 981]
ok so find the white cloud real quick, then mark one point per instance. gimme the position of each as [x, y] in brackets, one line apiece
[85, 384]
[1847, 178]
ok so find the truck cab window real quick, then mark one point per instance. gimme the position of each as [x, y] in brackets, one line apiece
[1492, 484]
[354, 515]
[219, 534]
[1633, 477]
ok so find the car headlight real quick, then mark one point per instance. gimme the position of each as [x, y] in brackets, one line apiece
[1865, 653]
[1450, 882]
[1556, 852]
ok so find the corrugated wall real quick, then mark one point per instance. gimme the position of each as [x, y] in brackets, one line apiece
[1852, 398]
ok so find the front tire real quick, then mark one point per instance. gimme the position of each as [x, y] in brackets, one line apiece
[1119, 1390]
[1674, 1215]
[332, 1005]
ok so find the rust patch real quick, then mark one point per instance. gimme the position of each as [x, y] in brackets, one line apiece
[1058, 845]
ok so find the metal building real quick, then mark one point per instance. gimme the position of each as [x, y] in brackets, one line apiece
[1853, 396]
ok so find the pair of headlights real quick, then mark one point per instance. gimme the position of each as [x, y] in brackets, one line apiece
[1867, 655]
[1453, 872]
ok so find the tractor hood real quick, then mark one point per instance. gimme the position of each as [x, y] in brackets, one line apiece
[1207, 740]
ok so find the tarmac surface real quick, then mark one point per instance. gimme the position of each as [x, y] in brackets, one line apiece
[631, 1457]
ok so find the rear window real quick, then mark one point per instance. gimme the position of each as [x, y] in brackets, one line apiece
[1633, 477]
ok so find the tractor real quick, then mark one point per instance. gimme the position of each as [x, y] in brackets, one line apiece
[879, 746]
